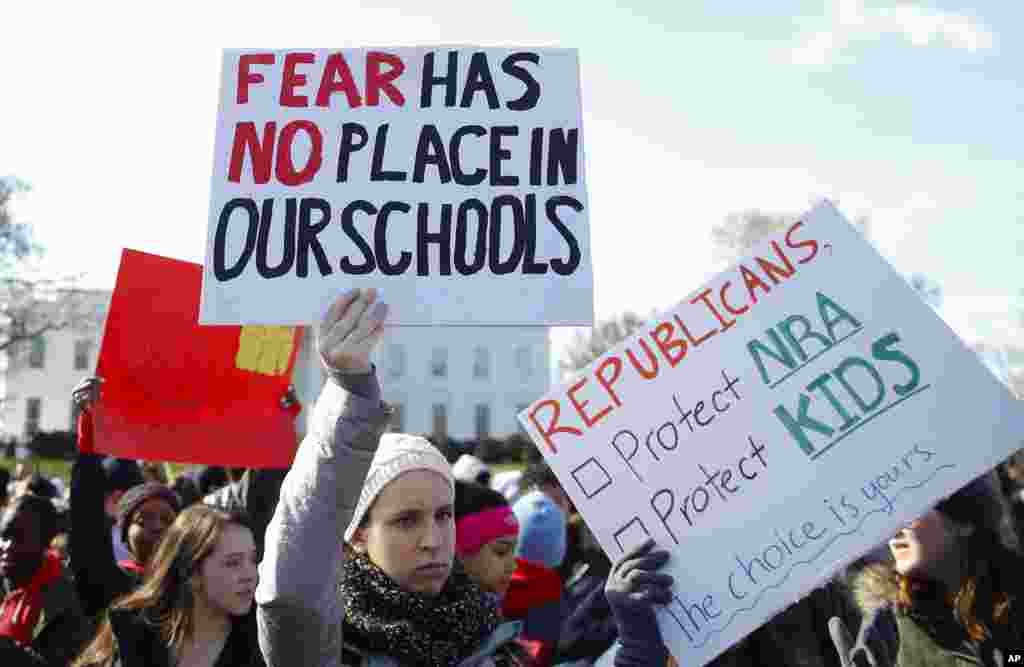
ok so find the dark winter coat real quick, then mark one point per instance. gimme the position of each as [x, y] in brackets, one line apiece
[929, 635]
[138, 643]
[98, 577]
[63, 629]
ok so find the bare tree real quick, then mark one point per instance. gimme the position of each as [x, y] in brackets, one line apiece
[16, 242]
[585, 348]
[737, 234]
[32, 304]
[31, 307]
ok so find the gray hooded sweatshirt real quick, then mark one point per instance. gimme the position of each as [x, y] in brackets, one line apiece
[298, 604]
[299, 610]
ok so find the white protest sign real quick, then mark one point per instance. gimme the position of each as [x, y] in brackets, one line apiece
[451, 178]
[779, 422]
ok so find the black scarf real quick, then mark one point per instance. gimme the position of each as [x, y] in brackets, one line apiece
[417, 629]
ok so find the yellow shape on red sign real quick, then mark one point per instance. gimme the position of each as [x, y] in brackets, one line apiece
[265, 349]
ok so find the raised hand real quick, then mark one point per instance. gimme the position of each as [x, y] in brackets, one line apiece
[86, 393]
[351, 329]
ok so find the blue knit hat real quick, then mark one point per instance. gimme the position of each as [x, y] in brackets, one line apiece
[541, 530]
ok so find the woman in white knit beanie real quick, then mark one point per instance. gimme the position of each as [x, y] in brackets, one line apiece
[359, 566]
[363, 539]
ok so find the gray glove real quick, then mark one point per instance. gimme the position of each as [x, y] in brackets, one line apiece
[632, 590]
[870, 649]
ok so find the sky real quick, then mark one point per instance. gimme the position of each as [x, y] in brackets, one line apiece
[906, 112]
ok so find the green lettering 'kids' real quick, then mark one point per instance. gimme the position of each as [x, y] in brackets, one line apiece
[881, 350]
[856, 362]
[798, 426]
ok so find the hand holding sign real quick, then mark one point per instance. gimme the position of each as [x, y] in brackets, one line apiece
[868, 651]
[351, 330]
[633, 587]
[86, 393]
[634, 583]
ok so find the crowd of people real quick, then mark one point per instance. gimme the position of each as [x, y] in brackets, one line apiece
[374, 550]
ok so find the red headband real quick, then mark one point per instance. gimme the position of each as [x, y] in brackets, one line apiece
[475, 530]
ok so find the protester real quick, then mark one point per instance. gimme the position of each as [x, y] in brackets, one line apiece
[486, 531]
[39, 610]
[211, 478]
[539, 476]
[145, 512]
[507, 482]
[469, 468]
[583, 553]
[186, 489]
[535, 591]
[153, 471]
[255, 494]
[195, 605]
[400, 596]
[952, 594]
[121, 475]
[486, 534]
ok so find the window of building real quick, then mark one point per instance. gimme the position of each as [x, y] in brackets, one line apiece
[524, 362]
[481, 363]
[33, 413]
[82, 351]
[37, 355]
[482, 420]
[440, 425]
[396, 361]
[439, 363]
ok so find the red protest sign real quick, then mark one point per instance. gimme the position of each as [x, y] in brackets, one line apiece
[177, 391]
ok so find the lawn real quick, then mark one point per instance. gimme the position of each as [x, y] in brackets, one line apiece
[48, 467]
[61, 468]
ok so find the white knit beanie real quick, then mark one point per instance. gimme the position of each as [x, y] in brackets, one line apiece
[468, 468]
[397, 453]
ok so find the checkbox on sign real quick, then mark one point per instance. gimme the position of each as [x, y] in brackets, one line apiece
[631, 535]
[591, 477]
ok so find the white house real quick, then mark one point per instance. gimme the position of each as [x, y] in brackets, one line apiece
[36, 378]
[464, 382]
